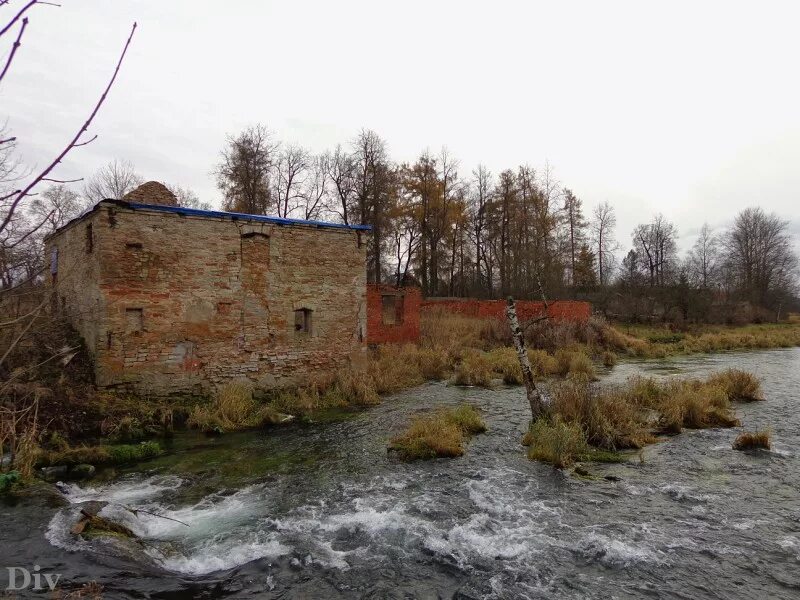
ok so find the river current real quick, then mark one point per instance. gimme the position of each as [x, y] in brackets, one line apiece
[323, 511]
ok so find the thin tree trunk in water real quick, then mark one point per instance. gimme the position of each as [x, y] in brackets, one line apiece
[534, 397]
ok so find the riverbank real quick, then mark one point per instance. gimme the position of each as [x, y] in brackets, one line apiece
[463, 350]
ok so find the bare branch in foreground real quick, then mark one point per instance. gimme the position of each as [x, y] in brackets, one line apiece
[74, 141]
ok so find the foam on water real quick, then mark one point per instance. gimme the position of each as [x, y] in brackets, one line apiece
[220, 554]
[131, 489]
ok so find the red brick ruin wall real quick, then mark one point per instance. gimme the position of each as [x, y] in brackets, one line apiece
[405, 328]
[567, 310]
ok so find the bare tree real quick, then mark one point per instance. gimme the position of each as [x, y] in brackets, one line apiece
[657, 249]
[188, 198]
[759, 259]
[374, 191]
[10, 168]
[602, 225]
[22, 302]
[55, 206]
[479, 203]
[243, 174]
[315, 190]
[291, 172]
[114, 180]
[341, 171]
[703, 258]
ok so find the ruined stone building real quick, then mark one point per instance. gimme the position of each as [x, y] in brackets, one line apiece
[177, 300]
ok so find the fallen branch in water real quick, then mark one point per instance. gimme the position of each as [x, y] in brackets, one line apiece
[136, 512]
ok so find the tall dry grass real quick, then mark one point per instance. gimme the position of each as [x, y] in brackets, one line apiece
[439, 434]
[556, 442]
[232, 409]
[627, 416]
[753, 440]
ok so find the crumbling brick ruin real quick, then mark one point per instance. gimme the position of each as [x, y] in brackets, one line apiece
[392, 314]
[172, 300]
[558, 310]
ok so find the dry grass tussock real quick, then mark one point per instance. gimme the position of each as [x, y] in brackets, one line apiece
[739, 385]
[475, 368]
[556, 442]
[347, 388]
[753, 440]
[233, 408]
[626, 416]
[439, 434]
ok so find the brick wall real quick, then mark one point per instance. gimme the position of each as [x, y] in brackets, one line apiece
[402, 325]
[180, 304]
[526, 309]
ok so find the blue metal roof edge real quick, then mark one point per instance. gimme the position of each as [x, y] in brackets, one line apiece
[218, 214]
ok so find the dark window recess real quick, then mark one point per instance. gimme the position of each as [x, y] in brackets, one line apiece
[392, 309]
[53, 261]
[134, 245]
[89, 239]
[134, 320]
[108, 340]
[302, 320]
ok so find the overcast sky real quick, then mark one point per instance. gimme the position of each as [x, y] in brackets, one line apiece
[690, 109]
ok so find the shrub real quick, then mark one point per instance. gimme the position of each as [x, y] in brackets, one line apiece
[739, 385]
[133, 452]
[751, 441]
[440, 434]
[555, 442]
[474, 369]
[8, 479]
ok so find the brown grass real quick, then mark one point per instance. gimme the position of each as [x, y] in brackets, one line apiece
[440, 434]
[739, 386]
[505, 362]
[556, 442]
[626, 416]
[347, 388]
[753, 440]
[606, 416]
[475, 368]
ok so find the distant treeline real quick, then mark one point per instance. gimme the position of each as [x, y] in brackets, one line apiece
[518, 232]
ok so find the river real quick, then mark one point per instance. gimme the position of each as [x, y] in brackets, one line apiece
[323, 511]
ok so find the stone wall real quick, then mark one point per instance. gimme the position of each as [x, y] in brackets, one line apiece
[188, 302]
[392, 314]
[569, 310]
[72, 268]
